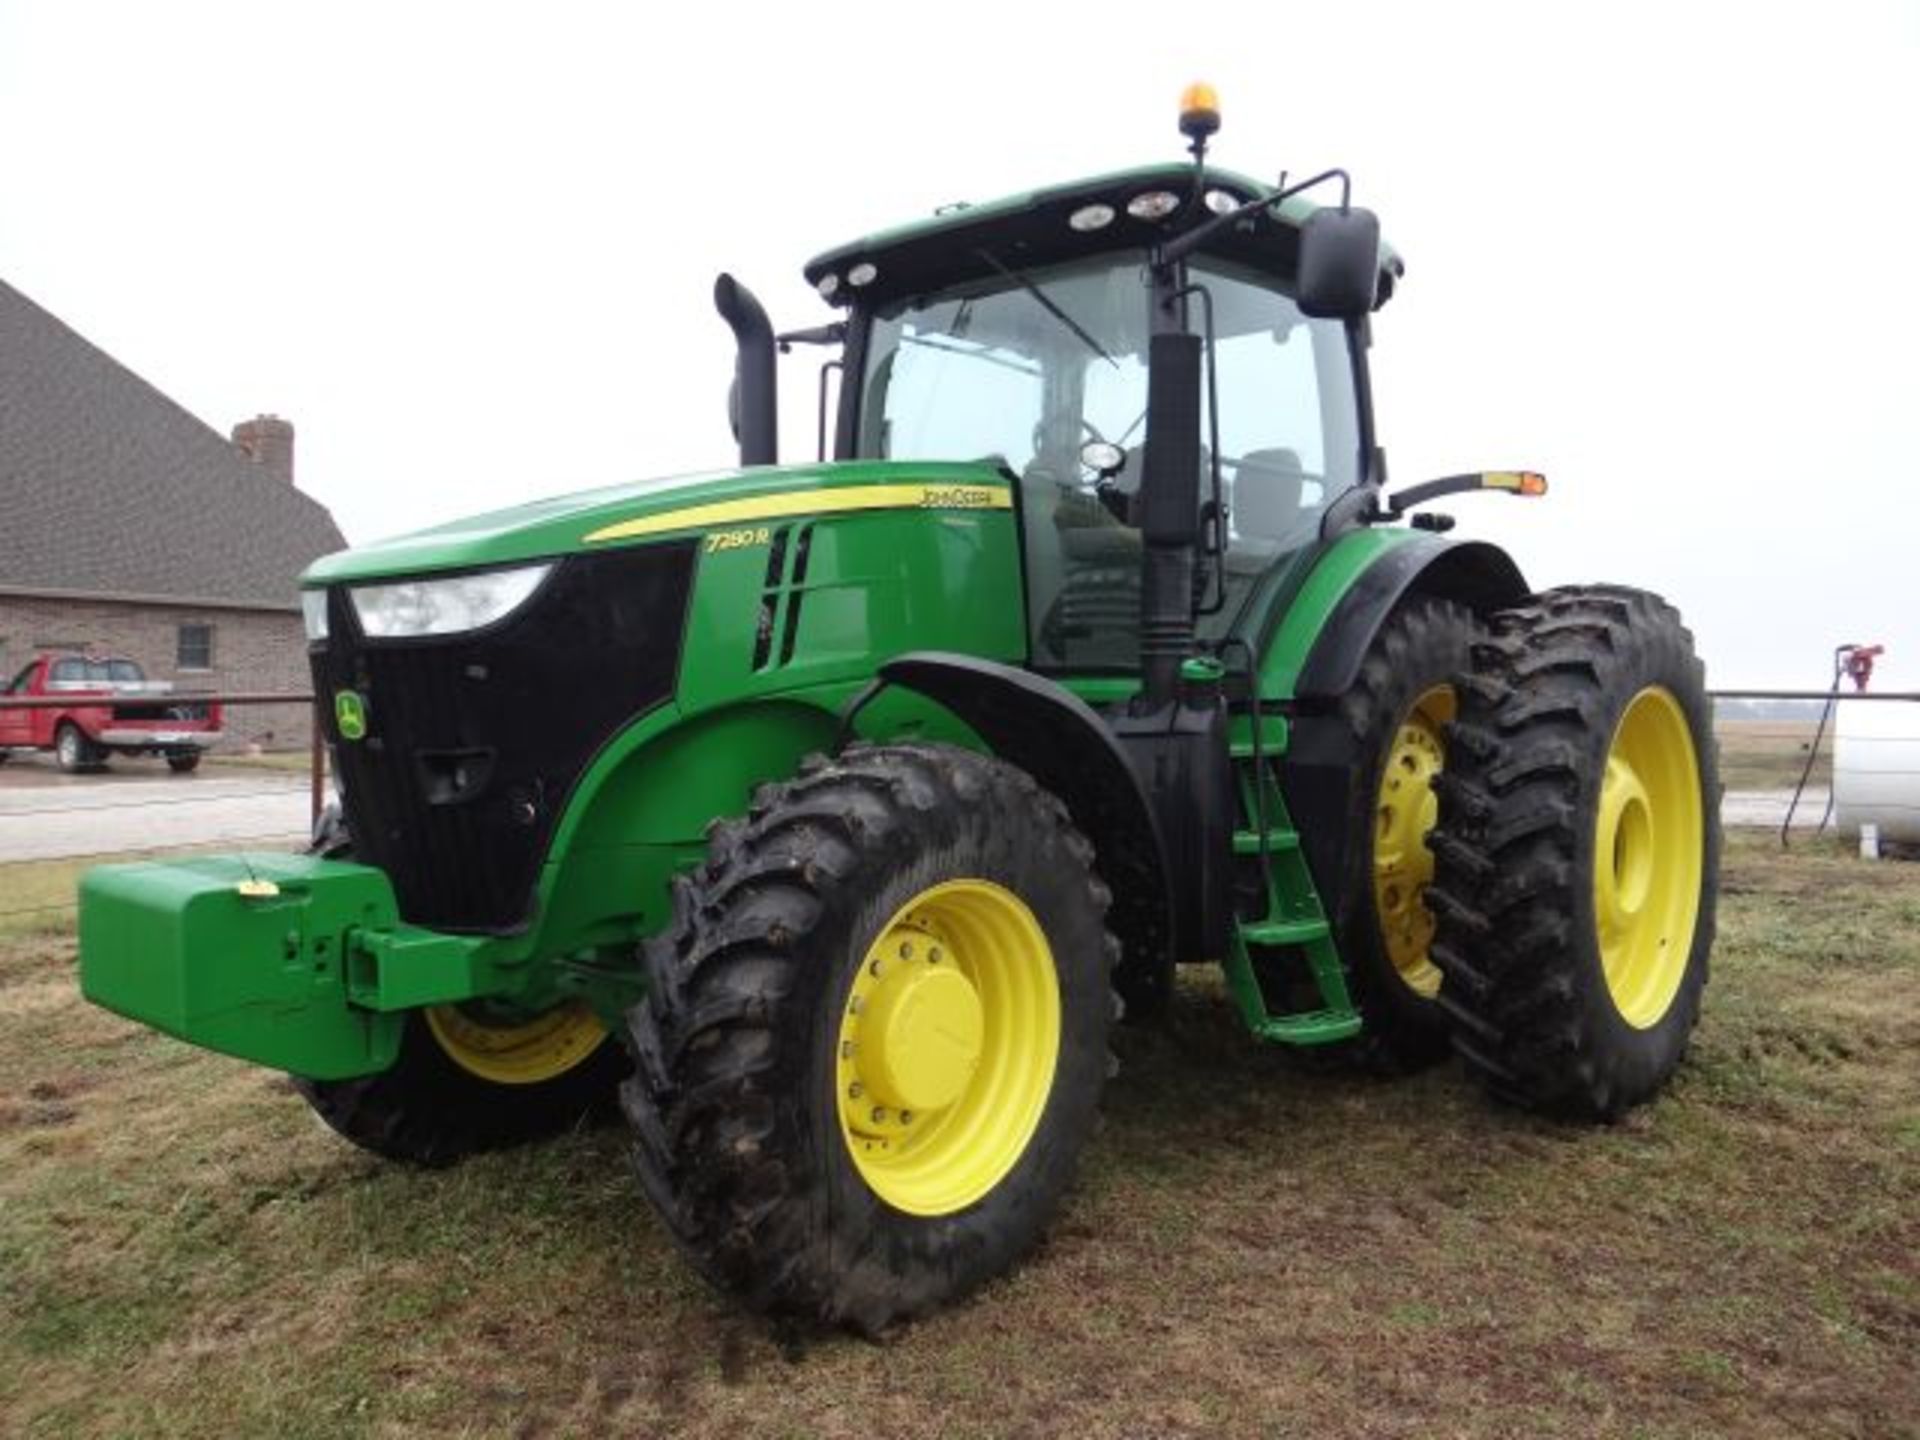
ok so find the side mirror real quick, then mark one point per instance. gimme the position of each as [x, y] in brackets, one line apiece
[1339, 271]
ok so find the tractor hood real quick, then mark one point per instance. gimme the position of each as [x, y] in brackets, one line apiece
[678, 505]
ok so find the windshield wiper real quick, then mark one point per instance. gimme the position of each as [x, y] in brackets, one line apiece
[972, 352]
[1052, 309]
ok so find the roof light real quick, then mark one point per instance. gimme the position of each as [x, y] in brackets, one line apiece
[862, 274]
[1221, 203]
[1153, 205]
[1089, 218]
[828, 286]
[1199, 110]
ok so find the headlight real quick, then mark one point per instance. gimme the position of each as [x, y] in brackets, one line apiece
[313, 608]
[446, 606]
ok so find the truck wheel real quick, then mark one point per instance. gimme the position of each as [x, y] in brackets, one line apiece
[1579, 851]
[74, 752]
[1397, 712]
[875, 1035]
[469, 1078]
[183, 762]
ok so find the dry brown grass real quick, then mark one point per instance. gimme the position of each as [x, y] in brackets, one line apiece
[1262, 1243]
[1771, 754]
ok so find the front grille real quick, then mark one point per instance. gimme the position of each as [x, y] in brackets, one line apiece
[474, 742]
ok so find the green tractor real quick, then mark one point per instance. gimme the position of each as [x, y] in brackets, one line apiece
[824, 818]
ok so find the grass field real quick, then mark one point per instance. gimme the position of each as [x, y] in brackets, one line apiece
[1770, 754]
[1260, 1244]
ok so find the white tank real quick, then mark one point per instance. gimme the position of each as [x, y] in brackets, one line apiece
[1876, 768]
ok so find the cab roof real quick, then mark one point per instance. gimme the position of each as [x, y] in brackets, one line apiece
[952, 245]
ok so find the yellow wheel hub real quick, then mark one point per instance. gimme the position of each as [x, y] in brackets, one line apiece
[1405, 811]
[543, 1048]
[1648, 857]
[949, 1035]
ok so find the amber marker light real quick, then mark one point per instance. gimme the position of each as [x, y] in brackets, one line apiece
[1532, 483]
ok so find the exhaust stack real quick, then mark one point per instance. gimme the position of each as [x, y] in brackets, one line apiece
[754, 402]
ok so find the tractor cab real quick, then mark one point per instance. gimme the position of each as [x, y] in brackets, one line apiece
[1019, 333]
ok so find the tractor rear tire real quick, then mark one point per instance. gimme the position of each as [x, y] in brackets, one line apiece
[875, 1035]
[1395, 713]
[465, 1083]
[1578, 852]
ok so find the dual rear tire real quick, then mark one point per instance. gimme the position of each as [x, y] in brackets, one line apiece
[1577, 852]
[1536, 889]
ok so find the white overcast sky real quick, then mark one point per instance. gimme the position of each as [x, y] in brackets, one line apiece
[1663, 252]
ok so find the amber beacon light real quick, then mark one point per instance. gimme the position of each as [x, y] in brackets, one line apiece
[1199, 111]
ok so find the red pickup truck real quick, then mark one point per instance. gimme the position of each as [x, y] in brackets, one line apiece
[108, 707]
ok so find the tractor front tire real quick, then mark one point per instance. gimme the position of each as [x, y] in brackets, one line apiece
[1578, 852]
[465, 1083]
[875, 1035]
[465, 1080]
[1395, 714]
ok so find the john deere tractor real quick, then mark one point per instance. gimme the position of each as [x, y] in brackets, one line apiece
[823, 818]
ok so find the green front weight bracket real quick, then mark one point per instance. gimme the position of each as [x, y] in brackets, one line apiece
[285, 960]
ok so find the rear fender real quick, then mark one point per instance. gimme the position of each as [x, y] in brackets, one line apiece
[1323, 764]
[1473, 572]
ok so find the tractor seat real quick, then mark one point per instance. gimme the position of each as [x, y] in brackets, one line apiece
[1269, 493]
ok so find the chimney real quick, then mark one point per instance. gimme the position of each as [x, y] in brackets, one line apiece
[267, 440]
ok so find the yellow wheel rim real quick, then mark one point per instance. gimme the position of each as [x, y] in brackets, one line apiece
[1405, 810]
[949, 1035]
[543, 1048]
[1648, 857]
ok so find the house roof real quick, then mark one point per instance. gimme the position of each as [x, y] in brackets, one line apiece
[107, 487]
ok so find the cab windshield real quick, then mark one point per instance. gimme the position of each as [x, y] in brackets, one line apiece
[1024, 370]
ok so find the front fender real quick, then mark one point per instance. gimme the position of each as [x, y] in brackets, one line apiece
[1062, 742]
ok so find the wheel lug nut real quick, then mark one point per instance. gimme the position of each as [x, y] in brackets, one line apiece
[856, 1090]
[906, 949]
[906, 1117]
[933, 956]
[848, 1049]
[879, 1114]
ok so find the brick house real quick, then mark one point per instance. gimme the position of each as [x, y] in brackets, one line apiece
[129, 525]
